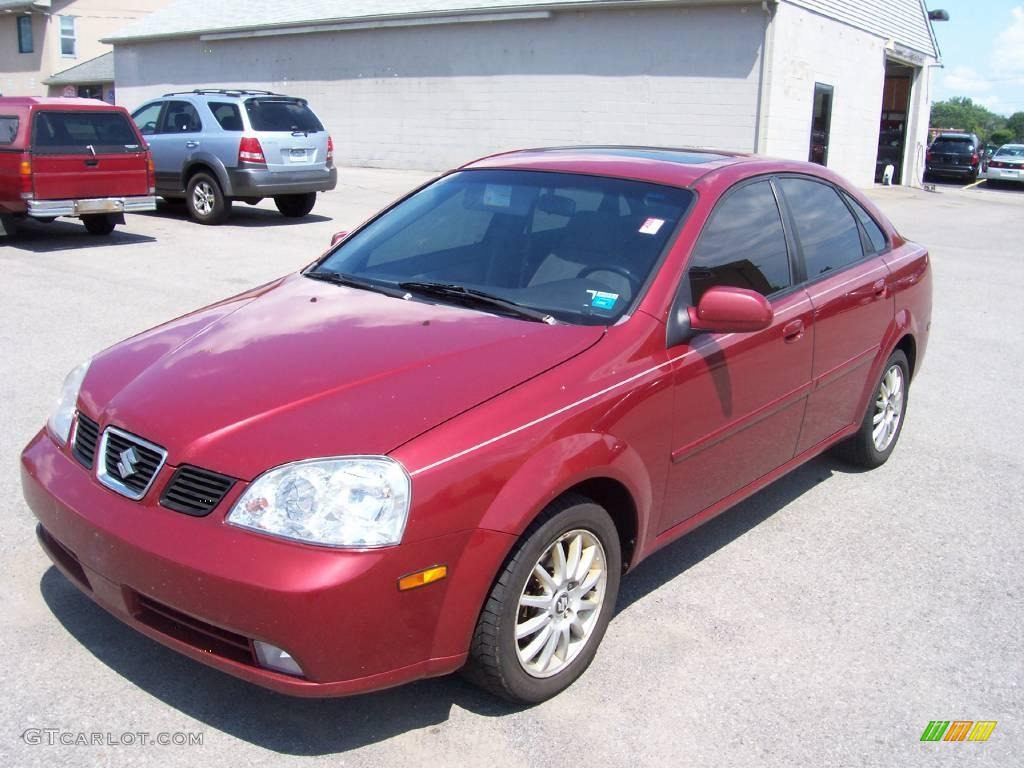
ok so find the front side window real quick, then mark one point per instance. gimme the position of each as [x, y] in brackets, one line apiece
[147, 118]
[579, 248]
[743, 245]
[67, 37]
[181, 117]
[24, 34]
[828, 235]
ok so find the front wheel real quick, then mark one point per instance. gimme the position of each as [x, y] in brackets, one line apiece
[98, 224]
[880, 429]
[205, 199]
[295, 206]
[550, 606]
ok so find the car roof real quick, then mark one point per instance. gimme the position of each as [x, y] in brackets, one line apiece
[226, 93]
[54, 101]
[679, 167]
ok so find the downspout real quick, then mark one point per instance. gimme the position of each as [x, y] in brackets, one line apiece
[765, 78]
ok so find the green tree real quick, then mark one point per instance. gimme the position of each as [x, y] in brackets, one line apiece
[1001, 136]
[1015, 124]
[961, 112]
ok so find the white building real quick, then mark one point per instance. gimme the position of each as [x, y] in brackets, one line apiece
[432, 83]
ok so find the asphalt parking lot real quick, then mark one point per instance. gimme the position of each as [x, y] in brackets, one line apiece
[823, 622]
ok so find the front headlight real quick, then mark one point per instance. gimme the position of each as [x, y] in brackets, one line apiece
[62, 416]
[356, 501]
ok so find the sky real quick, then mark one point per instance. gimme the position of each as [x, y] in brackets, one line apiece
[982, 53]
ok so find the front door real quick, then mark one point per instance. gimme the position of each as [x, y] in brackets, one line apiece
[739, 398]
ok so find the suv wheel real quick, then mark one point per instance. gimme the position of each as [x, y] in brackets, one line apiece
[98, 224]
[550, 605]
[205, 199]
[295, 206]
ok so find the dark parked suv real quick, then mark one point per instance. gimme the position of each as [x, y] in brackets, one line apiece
[211, 147]
[954, 155]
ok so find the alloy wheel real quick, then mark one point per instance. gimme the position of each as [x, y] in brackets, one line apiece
[888, 408]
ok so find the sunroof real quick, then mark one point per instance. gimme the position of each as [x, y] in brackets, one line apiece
[680, 156]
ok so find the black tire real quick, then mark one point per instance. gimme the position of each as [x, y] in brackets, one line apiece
[295, 206]
[859, 449]
[98, 224]
[205, 199]
[493, 662]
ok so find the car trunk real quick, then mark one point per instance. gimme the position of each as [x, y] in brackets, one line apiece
[85, 154]
[292, 137]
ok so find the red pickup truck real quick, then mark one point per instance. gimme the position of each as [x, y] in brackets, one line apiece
[71, 157]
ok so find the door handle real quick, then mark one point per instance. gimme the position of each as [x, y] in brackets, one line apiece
[793, 331]
[191, 144]
[92, 162]
[880, 289]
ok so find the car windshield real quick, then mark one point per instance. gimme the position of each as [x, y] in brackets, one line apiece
[281, 114]
[1010, 152]
[953, 145]
[578, 248]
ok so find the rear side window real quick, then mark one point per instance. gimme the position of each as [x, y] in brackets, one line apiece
[228, 116]
[875, 235]
[825, 227]
[83, 133]
[743, 245]
[277, 114]
[8, 129]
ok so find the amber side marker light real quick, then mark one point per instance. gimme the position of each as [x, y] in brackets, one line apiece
[422, 578]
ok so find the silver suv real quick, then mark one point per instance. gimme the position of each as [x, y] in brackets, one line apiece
[213, 146]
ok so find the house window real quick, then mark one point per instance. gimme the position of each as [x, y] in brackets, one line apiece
[67, 36]
[24, 34]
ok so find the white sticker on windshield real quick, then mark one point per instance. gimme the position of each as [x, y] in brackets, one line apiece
[651, 226]
[498, 196]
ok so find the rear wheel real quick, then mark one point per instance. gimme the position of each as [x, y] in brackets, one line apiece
[205, 199]
[550, 607]
[295, 206]
[98, 224]
[880, 429]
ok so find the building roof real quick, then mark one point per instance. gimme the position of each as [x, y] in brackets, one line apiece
[191, 18]
[8, 6]
[98, 70]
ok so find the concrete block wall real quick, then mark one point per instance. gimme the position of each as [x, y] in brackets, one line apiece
[433, 97]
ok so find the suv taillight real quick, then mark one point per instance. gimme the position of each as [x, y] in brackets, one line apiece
[25, 177]
[250, 151]
[330, 152]
[974, 159]
[929, 156]
[150, 174]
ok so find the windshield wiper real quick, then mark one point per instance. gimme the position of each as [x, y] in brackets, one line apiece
[350, 281]
[478, 298]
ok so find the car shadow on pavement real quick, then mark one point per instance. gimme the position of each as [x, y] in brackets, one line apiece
[309, 727]
[67, 236]
[242, 215]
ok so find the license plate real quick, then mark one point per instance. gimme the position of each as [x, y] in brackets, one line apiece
[298, 156]
[1011, 174]
[99, 206]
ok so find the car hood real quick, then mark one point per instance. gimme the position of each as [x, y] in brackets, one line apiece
[300, 369]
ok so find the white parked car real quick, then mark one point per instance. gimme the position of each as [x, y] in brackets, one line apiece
[1007, 164]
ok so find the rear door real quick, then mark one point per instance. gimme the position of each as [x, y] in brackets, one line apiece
[849, 286]
[292, 137]
[86, 153]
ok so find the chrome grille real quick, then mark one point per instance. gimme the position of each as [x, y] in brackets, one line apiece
[128, 464]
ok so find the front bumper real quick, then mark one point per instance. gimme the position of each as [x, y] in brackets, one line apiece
[260, 182]
[208, 589]
[45, 209]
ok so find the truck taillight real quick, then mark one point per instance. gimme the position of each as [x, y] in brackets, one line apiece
[250, 151]
[25, 177]
[150, 174]
[330, 152]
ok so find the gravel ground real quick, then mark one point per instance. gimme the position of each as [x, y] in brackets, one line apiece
[823, 622]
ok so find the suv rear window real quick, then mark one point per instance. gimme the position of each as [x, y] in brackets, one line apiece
[74, 132]
[277, 114]
[953, 144]
[8, 129]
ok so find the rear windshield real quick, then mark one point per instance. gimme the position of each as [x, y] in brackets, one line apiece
[1003, 151]
[953, 145]
[83, 133]
[8, 129]
[277, 114]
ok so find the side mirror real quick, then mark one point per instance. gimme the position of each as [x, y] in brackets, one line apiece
[722, 309]
[337, 237]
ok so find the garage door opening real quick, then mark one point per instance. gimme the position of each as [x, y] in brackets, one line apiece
[892, 134]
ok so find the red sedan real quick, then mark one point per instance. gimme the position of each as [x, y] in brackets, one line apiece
[441, 444]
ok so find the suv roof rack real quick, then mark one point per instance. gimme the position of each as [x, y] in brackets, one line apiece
[223, 92]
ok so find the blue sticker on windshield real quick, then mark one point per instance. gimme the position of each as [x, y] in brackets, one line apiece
[603, 299]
